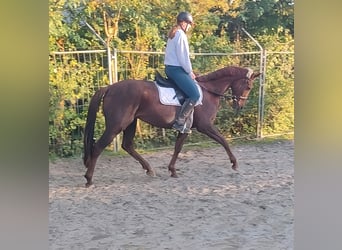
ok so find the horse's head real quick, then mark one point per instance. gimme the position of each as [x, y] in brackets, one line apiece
[241, 88]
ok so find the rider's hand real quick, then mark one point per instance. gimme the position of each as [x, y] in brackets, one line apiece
[192, 75]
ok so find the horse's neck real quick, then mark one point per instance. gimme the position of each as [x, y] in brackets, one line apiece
[218, 85]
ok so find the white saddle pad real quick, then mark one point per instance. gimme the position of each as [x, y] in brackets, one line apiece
[167, 96]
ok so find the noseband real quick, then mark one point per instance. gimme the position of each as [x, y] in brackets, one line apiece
[235, 98]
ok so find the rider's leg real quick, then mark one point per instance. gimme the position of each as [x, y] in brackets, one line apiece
[185, 112]
[188, 86]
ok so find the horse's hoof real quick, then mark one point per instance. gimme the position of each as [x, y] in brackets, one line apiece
[88, 184]
[151, 173]
[235, 167]
[174, 175]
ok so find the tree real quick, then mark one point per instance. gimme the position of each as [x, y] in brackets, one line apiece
[260, 17]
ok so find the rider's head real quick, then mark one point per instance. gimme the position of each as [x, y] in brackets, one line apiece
[185, 20]
[185, 17]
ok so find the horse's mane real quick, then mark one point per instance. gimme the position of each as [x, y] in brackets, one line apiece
[227, 71]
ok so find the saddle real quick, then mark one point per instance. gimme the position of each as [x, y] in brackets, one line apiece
[169, 83]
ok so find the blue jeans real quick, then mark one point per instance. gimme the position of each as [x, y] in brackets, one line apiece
[183, 81]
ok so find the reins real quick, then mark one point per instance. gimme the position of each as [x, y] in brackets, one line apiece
[213, 92]
[223, 96]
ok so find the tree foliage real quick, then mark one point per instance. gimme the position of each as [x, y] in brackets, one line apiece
[145, 23]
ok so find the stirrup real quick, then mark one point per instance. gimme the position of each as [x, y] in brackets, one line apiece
[181, 128]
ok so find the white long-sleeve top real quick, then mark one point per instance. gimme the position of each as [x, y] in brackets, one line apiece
[177, 51]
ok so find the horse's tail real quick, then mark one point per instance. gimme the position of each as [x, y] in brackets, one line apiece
[88, 140]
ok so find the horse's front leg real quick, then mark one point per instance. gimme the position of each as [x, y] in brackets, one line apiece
[178, 147]
[213, 133]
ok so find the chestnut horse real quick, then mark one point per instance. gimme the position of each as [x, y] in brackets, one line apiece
[126, 101]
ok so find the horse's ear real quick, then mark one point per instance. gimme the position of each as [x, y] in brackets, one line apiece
[255, 75]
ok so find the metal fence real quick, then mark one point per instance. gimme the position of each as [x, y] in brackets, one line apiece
[85, 71]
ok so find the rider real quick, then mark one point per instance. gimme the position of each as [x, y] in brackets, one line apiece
[178, 68]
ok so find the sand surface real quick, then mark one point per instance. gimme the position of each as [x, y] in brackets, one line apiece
[210, 206]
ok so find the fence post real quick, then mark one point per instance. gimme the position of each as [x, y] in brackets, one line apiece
[261, 84]
[261, 108]
[114, 72]
[110, 71]
[115, 66]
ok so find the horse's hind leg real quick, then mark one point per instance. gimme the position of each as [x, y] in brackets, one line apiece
[178, 147]
[127, 145]
[99, 146]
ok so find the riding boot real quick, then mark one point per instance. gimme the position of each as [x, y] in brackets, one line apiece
[185, 111]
